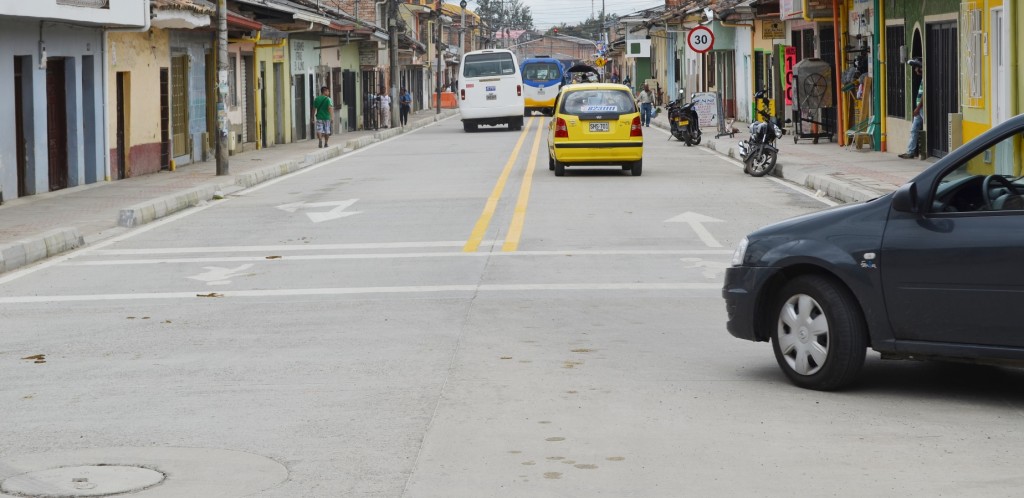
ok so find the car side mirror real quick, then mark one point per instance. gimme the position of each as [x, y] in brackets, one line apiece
[905, 199]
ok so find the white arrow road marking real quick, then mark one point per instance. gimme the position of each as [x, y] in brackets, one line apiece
[710, 269]
[696, 221]
[321, 216]
[216, 275]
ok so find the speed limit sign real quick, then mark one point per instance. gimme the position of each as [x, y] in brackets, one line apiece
[700, 39]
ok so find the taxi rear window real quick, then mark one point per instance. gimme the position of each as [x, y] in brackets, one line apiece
[485, 65]
[597, 101]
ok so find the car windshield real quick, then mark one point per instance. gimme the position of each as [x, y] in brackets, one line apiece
[541, 71]
[485, 65]
[999, 159]
[596, 101]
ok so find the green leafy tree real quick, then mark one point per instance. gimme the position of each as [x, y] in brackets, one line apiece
[511, 14]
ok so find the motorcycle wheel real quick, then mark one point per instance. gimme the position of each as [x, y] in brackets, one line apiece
[761, 164]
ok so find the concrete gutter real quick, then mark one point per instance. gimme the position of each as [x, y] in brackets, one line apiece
[30, 250]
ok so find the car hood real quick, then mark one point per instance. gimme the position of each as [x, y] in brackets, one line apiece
[842, 230]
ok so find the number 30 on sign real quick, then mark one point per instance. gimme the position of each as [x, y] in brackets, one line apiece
[700, 39]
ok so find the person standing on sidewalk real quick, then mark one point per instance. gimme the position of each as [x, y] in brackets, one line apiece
[404, 105]
[918, 124]
[385, 109]
[323, 115]
[645, 99]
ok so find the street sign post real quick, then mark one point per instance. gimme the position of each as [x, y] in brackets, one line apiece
[700, 39]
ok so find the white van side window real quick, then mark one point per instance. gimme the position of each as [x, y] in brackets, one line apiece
[484, 65]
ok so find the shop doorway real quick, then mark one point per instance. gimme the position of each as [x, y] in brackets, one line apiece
[941, 88]
[21, 145]
[57, 123]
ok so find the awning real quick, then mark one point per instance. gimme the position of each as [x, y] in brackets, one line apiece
[179, 19]
[239, 21]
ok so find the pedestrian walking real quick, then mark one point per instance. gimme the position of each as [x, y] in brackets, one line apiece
[385, 109]
[918, 124]
[645, 99]
[404, 105]
[323, 116]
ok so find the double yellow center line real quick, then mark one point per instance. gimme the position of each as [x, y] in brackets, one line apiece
[515, 229]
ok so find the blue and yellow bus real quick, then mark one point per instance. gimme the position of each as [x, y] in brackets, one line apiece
[542, 77]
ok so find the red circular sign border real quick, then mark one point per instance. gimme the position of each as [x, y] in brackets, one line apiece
[698, 29]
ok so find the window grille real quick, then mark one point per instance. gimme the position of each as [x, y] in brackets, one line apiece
[971, 40]
[896, 72]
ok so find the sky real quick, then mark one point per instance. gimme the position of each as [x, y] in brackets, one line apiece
[548, 13]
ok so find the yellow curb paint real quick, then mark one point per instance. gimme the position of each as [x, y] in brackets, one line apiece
[515, 229]
[480, 229]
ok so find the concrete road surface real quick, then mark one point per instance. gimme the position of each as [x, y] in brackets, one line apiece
[440, 316]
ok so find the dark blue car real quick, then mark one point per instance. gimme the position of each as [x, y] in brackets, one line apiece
[934, 270]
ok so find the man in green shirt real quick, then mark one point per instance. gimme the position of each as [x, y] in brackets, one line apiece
[323, 114]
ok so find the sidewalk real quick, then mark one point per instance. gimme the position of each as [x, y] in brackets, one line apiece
[40, 226]
[845, 174]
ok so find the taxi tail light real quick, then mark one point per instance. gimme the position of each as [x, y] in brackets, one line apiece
[519, 90]
[462, 93]
[561, 129]
[634, 129]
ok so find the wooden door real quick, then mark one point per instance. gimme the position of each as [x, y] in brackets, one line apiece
[19, 129]
[122, 150]
[57, 123]
[179, 105]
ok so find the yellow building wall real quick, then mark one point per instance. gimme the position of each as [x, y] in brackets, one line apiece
[267, 56]
[141, 56]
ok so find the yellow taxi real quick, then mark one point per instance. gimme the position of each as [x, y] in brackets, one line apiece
[595, 124]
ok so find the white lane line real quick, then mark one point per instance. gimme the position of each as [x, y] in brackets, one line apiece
[279, 248]
[337, 291]
[11, 276]
[400, 255]
[792, 186]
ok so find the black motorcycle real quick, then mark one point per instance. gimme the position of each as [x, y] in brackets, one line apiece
[685, 125]
[759, 152]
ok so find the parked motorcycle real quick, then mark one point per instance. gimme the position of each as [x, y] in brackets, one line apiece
[759, 152]
[682, 118]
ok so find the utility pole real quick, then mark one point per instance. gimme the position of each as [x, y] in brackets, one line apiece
[222, 88]
[440, 56]
[462, 29]
[393, 58]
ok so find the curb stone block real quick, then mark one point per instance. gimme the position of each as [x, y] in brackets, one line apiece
[48, 244]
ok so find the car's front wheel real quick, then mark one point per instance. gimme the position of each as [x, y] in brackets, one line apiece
[819, 335]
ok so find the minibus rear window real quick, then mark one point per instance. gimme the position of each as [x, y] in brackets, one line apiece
[484, 65]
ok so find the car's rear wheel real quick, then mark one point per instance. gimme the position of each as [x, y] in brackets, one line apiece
[559, 167]
[819, 336]
[468, 127]
[516, 123]
[638, 168]
[551, 163]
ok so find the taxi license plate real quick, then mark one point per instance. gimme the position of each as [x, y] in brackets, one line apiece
[491, 96]
[597, 127]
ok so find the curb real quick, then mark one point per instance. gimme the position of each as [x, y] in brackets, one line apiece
[48, 244]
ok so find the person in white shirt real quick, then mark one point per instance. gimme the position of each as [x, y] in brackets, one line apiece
[385, 110]
[645, 99]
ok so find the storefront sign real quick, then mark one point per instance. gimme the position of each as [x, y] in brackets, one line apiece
[789, 61]
[706, 105]
[771, 30]
[367, 54]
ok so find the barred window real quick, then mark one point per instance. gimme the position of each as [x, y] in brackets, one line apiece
[232, 80]
[895, 72]
[971, 54]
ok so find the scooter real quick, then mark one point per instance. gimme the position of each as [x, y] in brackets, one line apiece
[685, 125]
[759, 153]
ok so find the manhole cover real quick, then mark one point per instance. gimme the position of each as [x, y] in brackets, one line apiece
[85, 480]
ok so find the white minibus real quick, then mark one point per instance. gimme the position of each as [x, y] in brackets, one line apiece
[491, 90]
